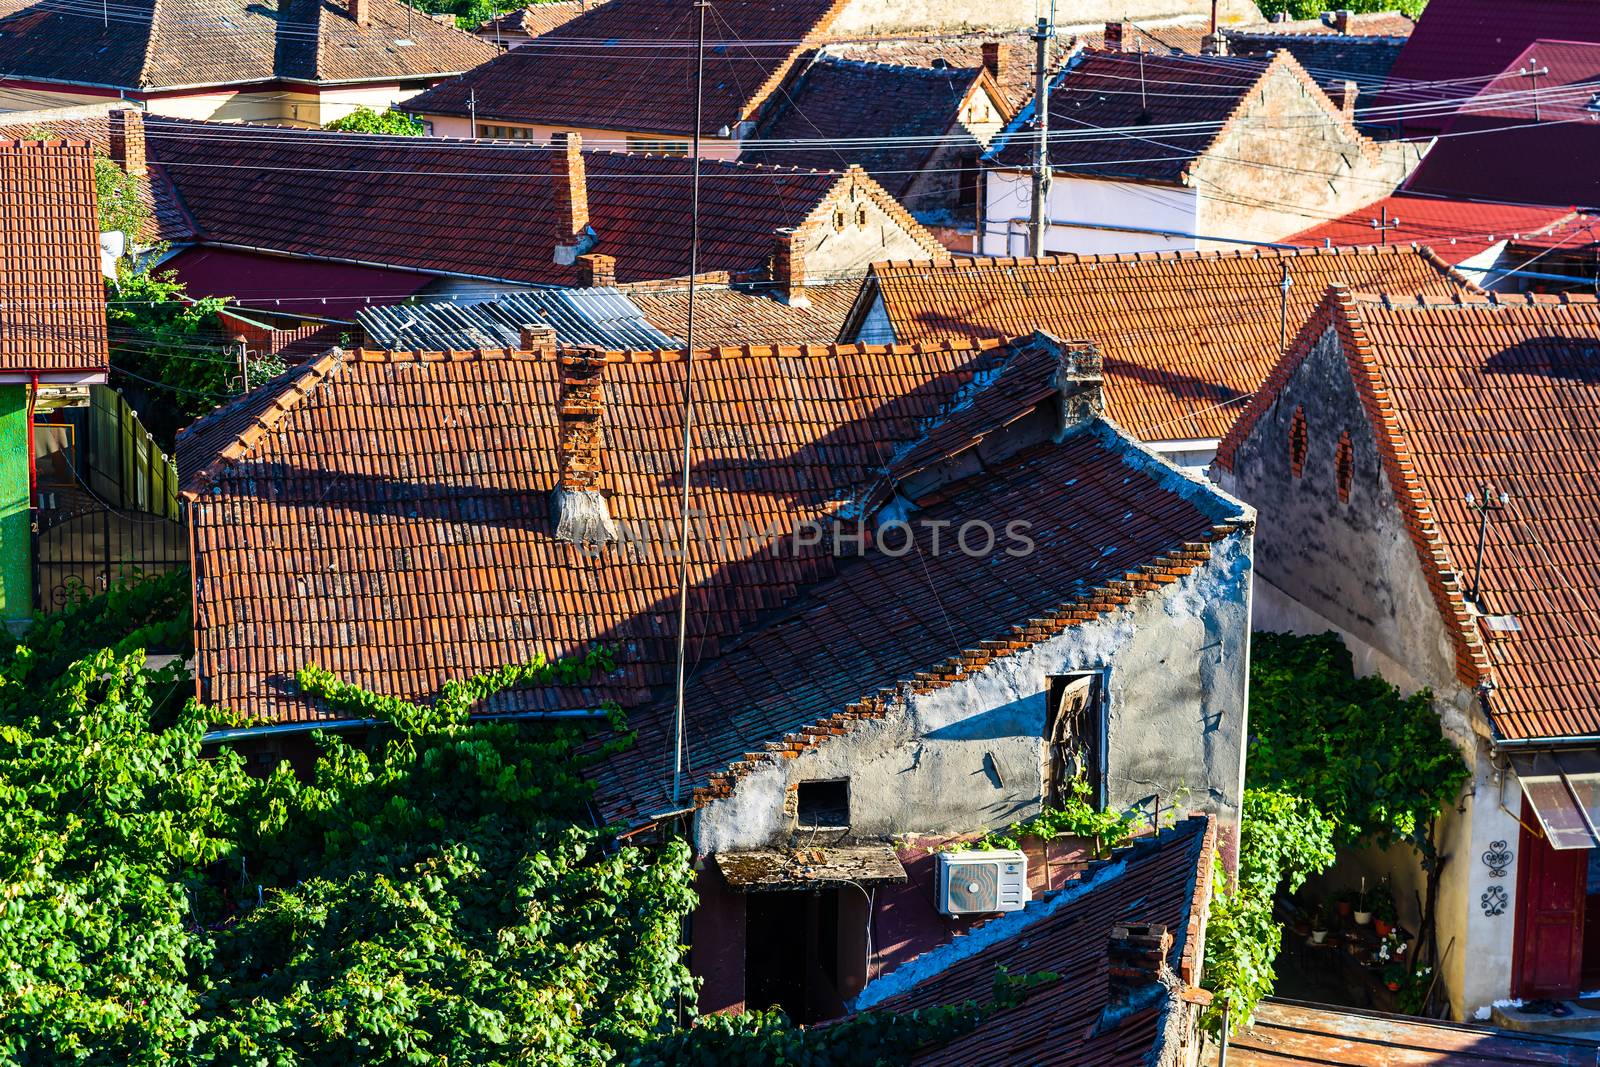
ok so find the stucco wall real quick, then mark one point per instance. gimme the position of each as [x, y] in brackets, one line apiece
[1288, 163]
[16, 543]
[844, 244]
[593, 139]
[970, 756]
[1141, 207]
[1351, 567]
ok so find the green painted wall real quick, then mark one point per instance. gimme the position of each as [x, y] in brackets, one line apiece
[16, 545]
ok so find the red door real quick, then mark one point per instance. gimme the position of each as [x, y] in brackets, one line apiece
[1551, 886]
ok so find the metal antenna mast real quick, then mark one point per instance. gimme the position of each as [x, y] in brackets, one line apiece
[1485, 504]
[688, 399]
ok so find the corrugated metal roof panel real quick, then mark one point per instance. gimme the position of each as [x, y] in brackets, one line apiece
[603, 318]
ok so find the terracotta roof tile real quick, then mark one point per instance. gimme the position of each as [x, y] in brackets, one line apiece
[844, 100]
[179, 43]
[435, 204]
[1016, 77]
[630, 65]
[1503, 391]
[1455, 230]
[534, 20]
[1068, 933]
[725, 316]
[1186, 337]
[52, 298]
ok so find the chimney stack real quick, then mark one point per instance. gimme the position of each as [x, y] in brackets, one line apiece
[577, 507]
[361, 12]
[573, 234]
[1078, 380]
[535, 335]
[127, 141]
[1348, 92]
[1341, 21]
[1137, 957]
[789, 269]
[597, 270]
[994, 59]
[1117, 36]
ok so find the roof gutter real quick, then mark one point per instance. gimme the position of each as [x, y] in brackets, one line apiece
[282, 729]
[208, 243]
[1575, 741]
[239, 85]
[1163, 233]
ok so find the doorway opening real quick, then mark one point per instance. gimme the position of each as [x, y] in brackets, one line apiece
[805, 951]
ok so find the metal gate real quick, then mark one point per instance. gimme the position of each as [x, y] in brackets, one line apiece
[84, 551]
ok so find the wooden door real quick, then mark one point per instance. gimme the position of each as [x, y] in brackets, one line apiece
[1551, 887]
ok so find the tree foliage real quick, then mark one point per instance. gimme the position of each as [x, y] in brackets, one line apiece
[365, 120]
[1310, 9]
[436, 892]
[1371, 760]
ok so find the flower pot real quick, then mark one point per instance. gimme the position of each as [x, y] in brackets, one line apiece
[1394, 987]
[1383, 929]
[1363, 918]
[1318, 936]
[1344, 908]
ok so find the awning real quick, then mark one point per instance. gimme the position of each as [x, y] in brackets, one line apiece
[811, 868]
[305, 287]
[1563, 788]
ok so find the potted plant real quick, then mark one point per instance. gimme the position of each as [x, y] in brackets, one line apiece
[1319, 927]
[1363, 911]
[1384, 915]
[1343, 901]
[1392, 976]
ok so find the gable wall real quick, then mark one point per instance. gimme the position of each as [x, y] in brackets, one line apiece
[970, 756]
[1287, 162]
[832, 250]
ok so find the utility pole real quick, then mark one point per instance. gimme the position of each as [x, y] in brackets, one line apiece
[1283, 310]
[1485, 504]
[1040, 218]
[243, 362]
[1533, 71]
[688, 401]
[472, 110]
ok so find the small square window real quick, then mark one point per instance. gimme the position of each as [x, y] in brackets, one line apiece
[824, 804]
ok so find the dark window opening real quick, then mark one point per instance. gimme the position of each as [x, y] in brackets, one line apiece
[969, 179]
[824, 804]
[1299, 442]
[1075, 738]
[1346, 466]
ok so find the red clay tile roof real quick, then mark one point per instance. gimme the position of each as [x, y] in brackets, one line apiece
[1186, 337]
[479, 208]
[1359, 24]
[630, 65]
[1101, 90]
[1283, 1033]
[180, 43]
[1459, 45]
[1511, 145]
[1330, 59]
[1016, 79]
[52, 298]
[388, 517]
[726, 317]
[844, 101]
[415, 482]
[1180, 38]
[1162, 880]
[1505, 391]
[535, 19]
[1456, 230]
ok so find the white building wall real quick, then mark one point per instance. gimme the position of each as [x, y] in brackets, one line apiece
[1137, 207]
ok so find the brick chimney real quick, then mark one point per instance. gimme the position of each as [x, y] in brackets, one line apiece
[1348, 92]
[1137, 961]
[573, 234]
[1117, 36]
[361, 12]
[127, 141]
[994, 59]
[1341, 21]
[535, 335]
[597, 270]
[789, 269]
[577, 507]
[1078, 380]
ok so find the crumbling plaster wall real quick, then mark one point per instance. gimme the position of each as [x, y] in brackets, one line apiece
[851, 231]
[1287, 162]
[1351, 567]
[970, 756]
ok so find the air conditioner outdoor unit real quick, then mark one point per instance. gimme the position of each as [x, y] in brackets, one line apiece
[978, 883]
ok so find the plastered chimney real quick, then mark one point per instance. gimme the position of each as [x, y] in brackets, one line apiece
[361, 12]
[578, 509]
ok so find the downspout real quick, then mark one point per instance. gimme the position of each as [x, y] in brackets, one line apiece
[33, 471]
